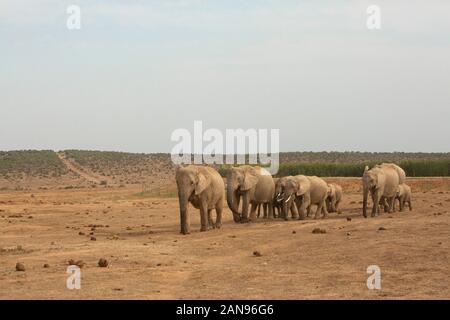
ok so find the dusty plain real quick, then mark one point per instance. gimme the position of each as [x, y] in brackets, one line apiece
[148, 259]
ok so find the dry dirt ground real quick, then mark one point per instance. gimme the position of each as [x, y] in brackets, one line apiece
[149, 259]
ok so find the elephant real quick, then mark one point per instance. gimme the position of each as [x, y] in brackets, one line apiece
[381, 181]
[278, 201]
[204, 188]
[334, 197]
[403, 196]
[304, 191]
[255, 185]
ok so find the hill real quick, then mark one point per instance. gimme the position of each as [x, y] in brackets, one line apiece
[80, 169]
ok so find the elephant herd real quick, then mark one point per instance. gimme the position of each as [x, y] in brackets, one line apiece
[252, 188]
[386, 183]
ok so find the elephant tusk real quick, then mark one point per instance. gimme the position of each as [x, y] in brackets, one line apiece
[288, 198]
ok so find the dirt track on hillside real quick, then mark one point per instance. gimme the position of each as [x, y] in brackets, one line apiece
[75, 168]
[149, 259]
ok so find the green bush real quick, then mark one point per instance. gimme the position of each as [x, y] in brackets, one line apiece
[413, 168]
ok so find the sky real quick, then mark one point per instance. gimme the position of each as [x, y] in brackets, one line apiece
[138, 70]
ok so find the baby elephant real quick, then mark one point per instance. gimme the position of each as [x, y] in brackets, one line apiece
[403, 196]
[334, 197]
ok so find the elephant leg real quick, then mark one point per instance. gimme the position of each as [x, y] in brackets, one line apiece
[218, 216]
[265, 210]
[323, 209]
[305, 207]
[253, 211]
[203, 216]
[409, 204]
[376, 200]
[210, 219]
[320, 209]
[295, 211]
[404, 204]
[383, 202]
[259, 210]
[270, 210]
[380, 206]
[391, 204]
[336, 208]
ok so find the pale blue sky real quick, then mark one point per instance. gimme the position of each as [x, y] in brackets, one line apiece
[137, 70]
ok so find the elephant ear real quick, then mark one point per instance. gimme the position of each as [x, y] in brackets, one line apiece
[375, 180]
[250, 180]
[203, 182]
[302, 188]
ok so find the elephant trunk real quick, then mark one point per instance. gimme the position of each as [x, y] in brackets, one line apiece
[286, 206]
[232, 201]
[365, 196]
[183, 198]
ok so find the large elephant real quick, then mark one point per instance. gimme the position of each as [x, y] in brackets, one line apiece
[255, 185]
[334, 197]
[204, 188]
[381, 181]
[304, 191]
[403, 196]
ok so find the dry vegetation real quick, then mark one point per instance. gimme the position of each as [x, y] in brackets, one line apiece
[26, 170]
[125, 168]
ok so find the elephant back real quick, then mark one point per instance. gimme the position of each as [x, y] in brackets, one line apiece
[401, 173]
